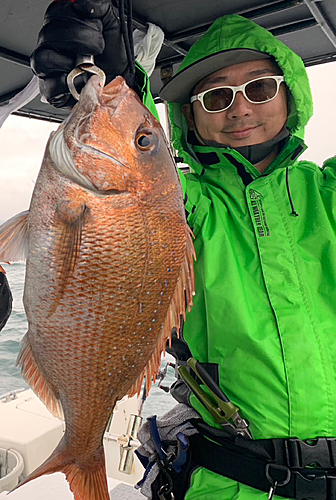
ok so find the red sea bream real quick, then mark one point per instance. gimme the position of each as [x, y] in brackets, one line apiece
[109, 271]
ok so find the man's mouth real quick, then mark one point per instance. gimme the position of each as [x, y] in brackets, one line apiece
[240, 133]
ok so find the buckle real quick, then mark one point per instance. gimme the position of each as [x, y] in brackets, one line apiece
[320, 453]
[308, 484]
[314, 486]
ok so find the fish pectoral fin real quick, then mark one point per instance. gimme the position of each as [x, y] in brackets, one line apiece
[182, 299]
[14, 238]
[68, 228]
[31, 373]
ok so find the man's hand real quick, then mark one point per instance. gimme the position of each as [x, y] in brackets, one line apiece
[73, 28]
[5, 299]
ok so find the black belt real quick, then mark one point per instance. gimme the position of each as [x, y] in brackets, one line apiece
[298, 469]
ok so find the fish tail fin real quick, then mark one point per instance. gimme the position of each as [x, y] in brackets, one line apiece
[90, 484]
[85, 483]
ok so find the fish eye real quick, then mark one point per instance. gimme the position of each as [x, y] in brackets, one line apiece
[145, 141]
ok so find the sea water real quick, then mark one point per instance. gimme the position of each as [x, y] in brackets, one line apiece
[158, 402]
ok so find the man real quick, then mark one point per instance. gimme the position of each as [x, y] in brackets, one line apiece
[264, 314]
[5, 299]
[242, 122]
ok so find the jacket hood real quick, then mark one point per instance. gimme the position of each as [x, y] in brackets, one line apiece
[236, 32]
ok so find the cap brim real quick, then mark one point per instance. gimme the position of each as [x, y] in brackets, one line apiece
[179, 87]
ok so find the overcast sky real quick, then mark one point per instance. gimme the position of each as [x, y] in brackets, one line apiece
[22, 142]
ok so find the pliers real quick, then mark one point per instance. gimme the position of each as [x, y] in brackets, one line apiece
[215, 401]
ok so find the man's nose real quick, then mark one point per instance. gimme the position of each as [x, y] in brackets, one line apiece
[240, 106]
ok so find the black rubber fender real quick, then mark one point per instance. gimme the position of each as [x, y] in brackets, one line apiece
[6, 300]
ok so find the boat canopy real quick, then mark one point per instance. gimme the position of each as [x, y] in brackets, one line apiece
[306, 26]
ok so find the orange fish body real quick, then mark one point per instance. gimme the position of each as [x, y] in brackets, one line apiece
[109, 264]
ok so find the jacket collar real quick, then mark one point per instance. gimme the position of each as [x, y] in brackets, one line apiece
[213, 158]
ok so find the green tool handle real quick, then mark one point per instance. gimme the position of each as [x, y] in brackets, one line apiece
[221, 411]
[207, 379]
[223, 402]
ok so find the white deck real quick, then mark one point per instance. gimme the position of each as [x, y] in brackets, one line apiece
[28, 427]
[55, 487]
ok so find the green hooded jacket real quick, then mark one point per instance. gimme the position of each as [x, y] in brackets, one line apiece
[265, 304]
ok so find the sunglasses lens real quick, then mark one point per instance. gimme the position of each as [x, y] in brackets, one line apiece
[261, 90]
[218, 99]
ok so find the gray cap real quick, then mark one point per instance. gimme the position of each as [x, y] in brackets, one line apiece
[179, 87]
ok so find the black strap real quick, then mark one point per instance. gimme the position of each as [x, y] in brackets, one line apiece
[243, 465]
[299, 469]
[127, 32]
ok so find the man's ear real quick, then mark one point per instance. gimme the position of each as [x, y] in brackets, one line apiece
[187, 111]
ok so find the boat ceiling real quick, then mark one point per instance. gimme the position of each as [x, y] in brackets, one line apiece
[306, 26]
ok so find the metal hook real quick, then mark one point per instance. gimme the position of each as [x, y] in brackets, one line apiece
[163, 493]
[276, 470]
[85, 64]
[272, 490]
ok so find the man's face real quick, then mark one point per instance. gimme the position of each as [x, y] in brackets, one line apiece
[243, 123]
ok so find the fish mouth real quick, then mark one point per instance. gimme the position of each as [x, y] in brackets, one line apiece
[111, 95]
[92, 95]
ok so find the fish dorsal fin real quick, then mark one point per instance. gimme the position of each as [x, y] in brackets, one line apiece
[31, 373]
[181, 300]
[14, 238]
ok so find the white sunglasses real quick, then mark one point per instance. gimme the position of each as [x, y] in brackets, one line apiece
[257, 91]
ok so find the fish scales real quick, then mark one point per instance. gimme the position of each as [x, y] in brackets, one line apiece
[109, 265]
